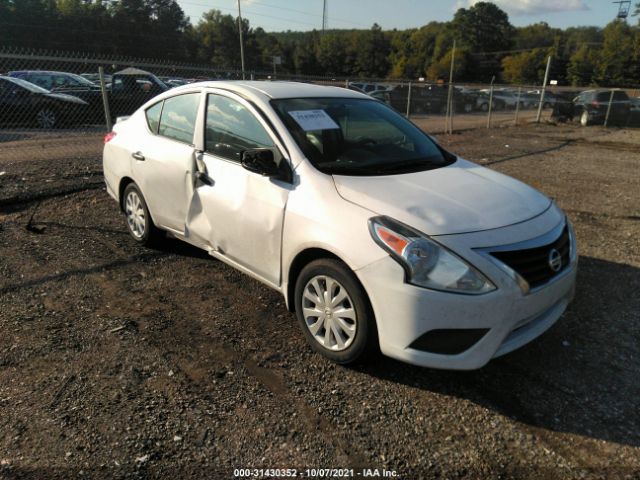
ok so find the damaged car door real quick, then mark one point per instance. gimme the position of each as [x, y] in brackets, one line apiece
[236, 212]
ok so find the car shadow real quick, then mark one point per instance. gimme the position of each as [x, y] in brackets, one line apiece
[173, 246]
[580, 377]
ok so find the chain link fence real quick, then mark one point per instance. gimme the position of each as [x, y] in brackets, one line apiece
[59, 105]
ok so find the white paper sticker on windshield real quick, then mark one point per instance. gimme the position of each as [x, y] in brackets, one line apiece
[313, 120]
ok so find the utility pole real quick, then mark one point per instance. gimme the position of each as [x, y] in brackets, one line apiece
[324, 15]
[241, 41]
[544, 86]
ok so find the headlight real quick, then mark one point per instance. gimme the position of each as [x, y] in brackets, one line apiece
[427, 263]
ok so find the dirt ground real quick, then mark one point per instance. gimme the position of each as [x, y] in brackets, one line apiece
[118, 361]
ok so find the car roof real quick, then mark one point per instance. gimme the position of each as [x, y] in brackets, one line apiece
[46, 72]
[276, 89]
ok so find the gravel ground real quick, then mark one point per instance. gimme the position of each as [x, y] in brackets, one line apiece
[118, 361]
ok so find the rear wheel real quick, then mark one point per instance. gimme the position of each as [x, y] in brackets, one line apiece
[139, 222]
[334, 312]
[46, 117]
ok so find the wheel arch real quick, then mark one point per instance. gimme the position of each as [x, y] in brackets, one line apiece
[124, 183]
[303, 258]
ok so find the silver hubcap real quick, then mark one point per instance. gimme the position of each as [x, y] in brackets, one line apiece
[328, 313]
[46, 118]
[135, 215]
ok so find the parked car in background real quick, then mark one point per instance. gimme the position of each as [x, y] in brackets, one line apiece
[173, 82]
[369, 88]
[634, 111]
[95, 78]
[23, 103]
[481, 99]
[509, 97]
[387, 240]
[425, 99]
[550, 98]
[132, 87]
[591, 107]
[69, 83]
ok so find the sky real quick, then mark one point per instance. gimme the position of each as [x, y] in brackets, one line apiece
[279, 15]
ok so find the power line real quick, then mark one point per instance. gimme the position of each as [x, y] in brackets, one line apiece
[267, 5]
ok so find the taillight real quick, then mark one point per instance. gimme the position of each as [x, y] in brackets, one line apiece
[109, 136]
[595, 104]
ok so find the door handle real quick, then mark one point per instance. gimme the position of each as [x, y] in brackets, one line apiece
[138, 156]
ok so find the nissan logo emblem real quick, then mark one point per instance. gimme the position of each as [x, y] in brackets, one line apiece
[555, 260]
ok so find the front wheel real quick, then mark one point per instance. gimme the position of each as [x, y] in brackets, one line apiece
[334, 312]
[139, 222]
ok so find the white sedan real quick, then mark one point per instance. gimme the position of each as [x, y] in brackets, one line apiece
[377, 237]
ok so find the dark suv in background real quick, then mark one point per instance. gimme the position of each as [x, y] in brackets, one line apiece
[591, 107]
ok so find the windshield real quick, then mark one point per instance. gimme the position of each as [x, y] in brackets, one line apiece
[28, 85]
[351, 136]
[81, 80]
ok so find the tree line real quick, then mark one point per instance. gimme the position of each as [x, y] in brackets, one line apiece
[487, 44]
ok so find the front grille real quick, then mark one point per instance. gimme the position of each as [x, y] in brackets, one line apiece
[533, 264]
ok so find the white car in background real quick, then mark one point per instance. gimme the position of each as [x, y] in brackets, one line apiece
[376, 236]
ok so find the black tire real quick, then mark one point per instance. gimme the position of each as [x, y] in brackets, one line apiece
[47, 117]
[150, 234]
[365, 340]
[484, 106]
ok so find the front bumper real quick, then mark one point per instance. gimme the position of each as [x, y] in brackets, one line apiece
[510, 316]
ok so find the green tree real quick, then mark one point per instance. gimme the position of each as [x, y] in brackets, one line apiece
[582, 66]
[218, 41]
[537, 35]
[371, 50]
[484, 27]
[616, 64]
[441, 68]
[332, 54]
[526, 67]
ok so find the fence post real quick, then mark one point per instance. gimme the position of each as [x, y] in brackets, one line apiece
[105, 99]
[490, 102]
[448, 125]
[544, 86]
[346, 84]
[409, 101]
[606, 118]
[518, 105]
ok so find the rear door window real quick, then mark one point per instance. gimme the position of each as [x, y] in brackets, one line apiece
[153, 116]
[178, 117]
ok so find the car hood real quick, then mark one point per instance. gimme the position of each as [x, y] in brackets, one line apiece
[65, 98]
[462, 197]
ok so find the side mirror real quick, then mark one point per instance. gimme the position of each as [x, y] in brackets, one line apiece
[263, 162]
